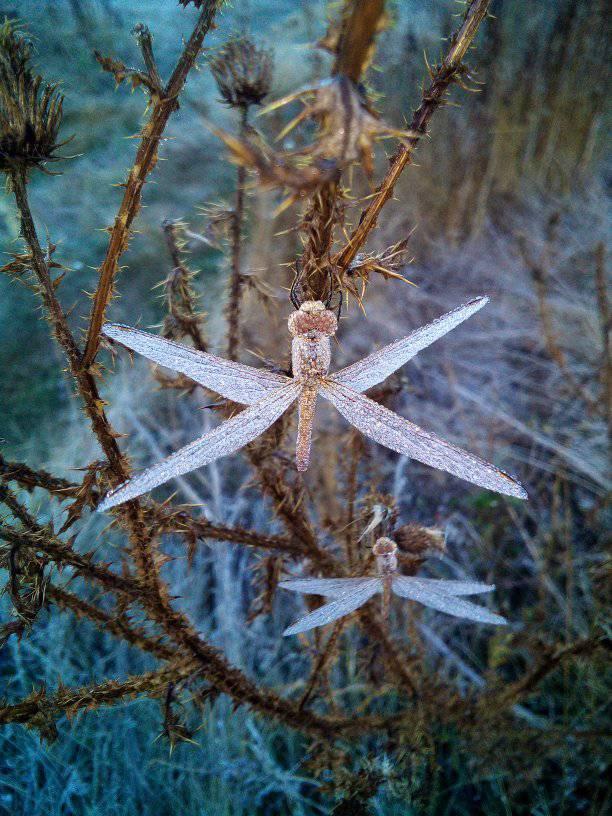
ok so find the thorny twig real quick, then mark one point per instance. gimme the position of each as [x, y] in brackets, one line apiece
[144, 162]
[442, 78]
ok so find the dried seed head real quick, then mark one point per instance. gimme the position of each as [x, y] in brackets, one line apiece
[413, 539]
[243, 72]
[312, 316]
[30, 111]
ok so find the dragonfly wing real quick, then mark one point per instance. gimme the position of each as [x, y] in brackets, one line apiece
[453, 587]
[398, 434]
[450, 604]
[329, 587]
[222, 440]
[375, 368]
[337, 608]
[237, 382]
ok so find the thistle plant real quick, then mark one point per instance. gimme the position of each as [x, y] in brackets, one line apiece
[30, 109]
[243, 73]
[332, 530]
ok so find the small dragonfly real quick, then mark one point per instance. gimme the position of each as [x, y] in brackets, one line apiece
[269, 395]
[351, 593]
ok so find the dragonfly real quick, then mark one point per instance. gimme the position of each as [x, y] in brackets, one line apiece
[269, 394]
[349, 594]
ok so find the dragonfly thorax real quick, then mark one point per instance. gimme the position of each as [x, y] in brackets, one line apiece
[385, 552]
[311, 326]
[310, 357]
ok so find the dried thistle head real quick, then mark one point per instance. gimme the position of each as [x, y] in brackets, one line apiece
[414, 540]
[387, 263]
[30, 110]
[243, 72]
[348, 124]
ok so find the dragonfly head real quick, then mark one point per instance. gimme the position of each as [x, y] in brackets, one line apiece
[312, 320]
[385, 552]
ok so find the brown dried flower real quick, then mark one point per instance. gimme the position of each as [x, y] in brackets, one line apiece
[348, 124]
[30, 110]
[243, 72]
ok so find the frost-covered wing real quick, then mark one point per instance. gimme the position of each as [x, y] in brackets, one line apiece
[450, 604]
[398, 434]
[328, 587]
[450, 587]
[376, 367]
[237, 382]
[336, 609]
[222, 440]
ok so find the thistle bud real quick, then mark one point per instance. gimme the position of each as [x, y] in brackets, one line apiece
[30, 110]
[414, 540]
[243, 72]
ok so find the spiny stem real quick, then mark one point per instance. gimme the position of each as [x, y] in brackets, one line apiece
[432, 98]
[146, 158]
[359, 25]
[110, 692]
[233, 307]
[356, 43]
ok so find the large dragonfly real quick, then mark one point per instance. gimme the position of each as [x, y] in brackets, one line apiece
[350, 593]
[269, 394]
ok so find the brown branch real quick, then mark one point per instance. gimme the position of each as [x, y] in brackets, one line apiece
[320, 665]
[356, 41]
[236, 279]
[85, 381]
[353, 50]
[183, 319]
[118, 626]
[38, 706]
[63, 554]
[29, 478]
[497, 701]
[146, 158]
[442, 78]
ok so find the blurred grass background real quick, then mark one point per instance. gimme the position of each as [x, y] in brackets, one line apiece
[509, 199]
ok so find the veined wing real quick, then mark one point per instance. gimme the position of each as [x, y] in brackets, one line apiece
[376, 367]
[341, 606]
[398, 434]
[237, 382]
[222, 440]
[449, 587]
[329, 587]
[450, 604]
